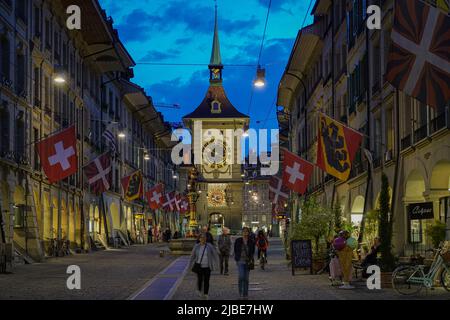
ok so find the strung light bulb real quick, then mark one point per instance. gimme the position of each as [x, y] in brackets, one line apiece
[260, 80]
[146, 157]
[122, 135]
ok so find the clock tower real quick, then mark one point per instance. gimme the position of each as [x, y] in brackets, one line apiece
[220, 183]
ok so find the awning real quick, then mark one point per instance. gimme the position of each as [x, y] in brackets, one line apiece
[307, 41]
[104, 46]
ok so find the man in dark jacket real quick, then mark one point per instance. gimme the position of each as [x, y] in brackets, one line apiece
[244, 251]
[224, 243]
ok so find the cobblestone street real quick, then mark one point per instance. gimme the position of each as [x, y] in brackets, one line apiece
[140, 273]
[277, 283]
[105, 275]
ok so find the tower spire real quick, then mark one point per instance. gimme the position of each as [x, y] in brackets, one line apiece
[215, 64]
[216, 59]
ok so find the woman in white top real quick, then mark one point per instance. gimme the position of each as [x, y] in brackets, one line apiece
[207, 256]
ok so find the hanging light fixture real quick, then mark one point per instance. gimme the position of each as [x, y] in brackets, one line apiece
[59, 75]
[260, 80]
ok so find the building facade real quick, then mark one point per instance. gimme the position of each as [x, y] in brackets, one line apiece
[337, 67]
[53, 78]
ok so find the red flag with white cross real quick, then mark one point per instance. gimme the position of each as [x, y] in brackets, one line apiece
[99, 174]
[419, 59]
[278, 193]
[183, 204]
[58, 155]
[296, 172]
[155, 197]
[169, 202]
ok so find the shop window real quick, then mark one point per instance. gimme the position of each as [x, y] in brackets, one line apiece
[416, 231]
[19, 218]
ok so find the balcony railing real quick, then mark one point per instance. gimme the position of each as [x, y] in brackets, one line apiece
[438, 123]
[406, 142]
[421, 133]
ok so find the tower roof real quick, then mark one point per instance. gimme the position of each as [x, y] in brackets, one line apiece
[224, 108]
[215, 105]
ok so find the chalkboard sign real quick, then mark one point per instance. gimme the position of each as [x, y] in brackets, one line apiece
[301, 255]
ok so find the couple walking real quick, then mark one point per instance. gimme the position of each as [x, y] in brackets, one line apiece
[205, 257]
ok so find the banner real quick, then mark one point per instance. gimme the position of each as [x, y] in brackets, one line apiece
[133, 187]
[419, 60]
[337, 147]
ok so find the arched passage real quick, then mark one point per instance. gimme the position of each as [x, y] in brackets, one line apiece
[414, 193]
[115, 216]
[440, 185]
[357, 210]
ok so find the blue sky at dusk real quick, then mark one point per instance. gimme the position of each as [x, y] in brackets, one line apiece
[181, 32]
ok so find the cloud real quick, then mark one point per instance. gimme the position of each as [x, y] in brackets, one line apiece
[138, 25]
[154, 55]
[193, 18]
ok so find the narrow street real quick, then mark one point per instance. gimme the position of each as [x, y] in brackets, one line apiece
[139, 273]
[277, 283]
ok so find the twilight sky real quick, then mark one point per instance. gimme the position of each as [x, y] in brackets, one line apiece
[181, 32]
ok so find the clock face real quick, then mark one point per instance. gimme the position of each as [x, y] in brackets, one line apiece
[216, 198]
[211, 158]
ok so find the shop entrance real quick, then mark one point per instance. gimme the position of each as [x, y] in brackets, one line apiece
[216, 223]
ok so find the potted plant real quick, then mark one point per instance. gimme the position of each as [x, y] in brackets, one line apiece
[437, 233]
[385, 232]
[314, 225]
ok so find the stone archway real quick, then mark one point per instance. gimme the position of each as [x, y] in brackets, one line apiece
[115, 216]
[5, 234]
[415, 188]
[357, 211]
[440, 192]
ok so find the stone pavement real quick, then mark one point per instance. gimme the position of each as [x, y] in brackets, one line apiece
[277, 283]
[105, 275]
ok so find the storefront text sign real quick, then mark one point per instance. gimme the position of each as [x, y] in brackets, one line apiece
[421, 211]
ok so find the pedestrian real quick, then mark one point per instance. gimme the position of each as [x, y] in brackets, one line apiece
[150, 235]
[345, 259]
[244, 251]
[262, 243]
[209, 236]
[204, 259]
[224, 243]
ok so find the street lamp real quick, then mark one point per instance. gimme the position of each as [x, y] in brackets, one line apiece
[260, 80]
[59, 75]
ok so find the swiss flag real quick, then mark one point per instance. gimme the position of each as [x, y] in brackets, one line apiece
[58, 155]
[278, 193]
[296, 172]
[182, 204]
[99, 174]
[170, 201]
[155, 197]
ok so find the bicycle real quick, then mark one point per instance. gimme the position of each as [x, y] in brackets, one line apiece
[411, 279]
[263, 259]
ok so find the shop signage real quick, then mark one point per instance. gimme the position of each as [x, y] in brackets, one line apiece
[421, 211]
[301, 255]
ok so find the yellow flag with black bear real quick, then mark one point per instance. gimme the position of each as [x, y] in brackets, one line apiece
[133, 187]
[337, 147]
